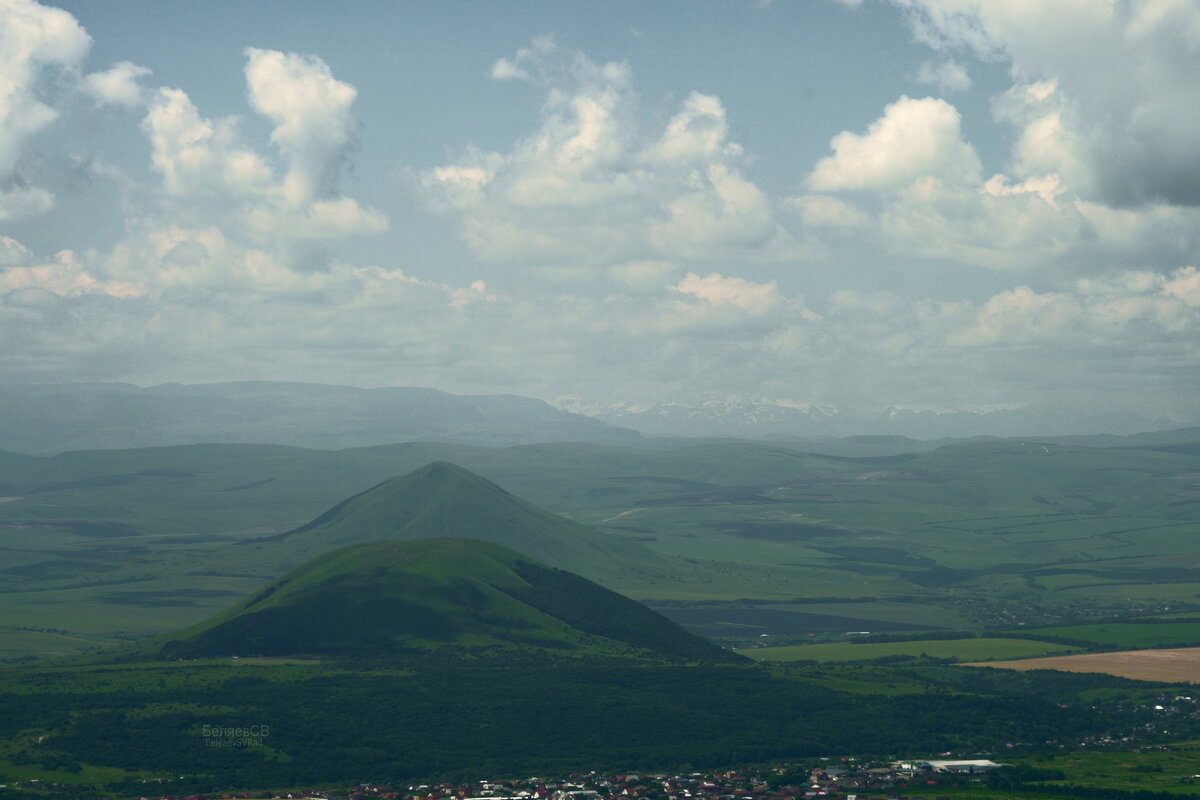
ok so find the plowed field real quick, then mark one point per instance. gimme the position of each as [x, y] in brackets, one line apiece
[1170, 666]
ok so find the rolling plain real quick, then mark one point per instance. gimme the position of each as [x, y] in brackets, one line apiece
[148, 593]
[736, 539]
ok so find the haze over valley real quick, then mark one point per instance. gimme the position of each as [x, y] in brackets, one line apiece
[571, 401]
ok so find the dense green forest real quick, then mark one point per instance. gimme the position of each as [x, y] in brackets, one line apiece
[449, 718]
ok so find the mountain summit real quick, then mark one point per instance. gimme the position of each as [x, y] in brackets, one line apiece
[445, 500]
[460, 596]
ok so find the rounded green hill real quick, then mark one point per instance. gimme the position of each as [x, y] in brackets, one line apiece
[450, 595]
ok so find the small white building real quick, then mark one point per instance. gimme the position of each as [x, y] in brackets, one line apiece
[960, 767]
[969, 767]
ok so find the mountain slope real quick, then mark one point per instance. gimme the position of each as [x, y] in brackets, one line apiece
[53, 418]
[432, 594]
[757, 418]
[442, 499]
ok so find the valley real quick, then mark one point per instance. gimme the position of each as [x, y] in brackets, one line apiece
[806, 605]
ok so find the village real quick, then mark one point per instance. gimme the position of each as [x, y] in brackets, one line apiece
[841, 778]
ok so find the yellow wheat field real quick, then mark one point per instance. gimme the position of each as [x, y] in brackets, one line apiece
[1170, 666]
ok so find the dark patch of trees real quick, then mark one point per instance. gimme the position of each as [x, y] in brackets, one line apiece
[456, 720]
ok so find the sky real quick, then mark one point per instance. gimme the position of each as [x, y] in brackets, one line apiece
[865, 204]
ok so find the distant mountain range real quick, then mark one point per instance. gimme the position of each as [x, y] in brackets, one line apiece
[753, 418]
[43, 419]
[51, 418]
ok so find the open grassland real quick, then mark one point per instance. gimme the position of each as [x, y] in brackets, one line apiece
[1168, 666]
[78, 774]
[961, 649]
[746, 624]
[17, 643]
[1171, 768]
[1104, 772]
[1133, 593]
[159, 603]
[902, 614]
[1127, 635]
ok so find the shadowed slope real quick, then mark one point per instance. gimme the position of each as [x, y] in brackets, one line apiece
[432, 594]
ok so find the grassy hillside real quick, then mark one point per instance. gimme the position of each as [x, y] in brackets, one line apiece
[436, 595]
[442, 499]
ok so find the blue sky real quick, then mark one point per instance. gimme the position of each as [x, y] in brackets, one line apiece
[927, 204]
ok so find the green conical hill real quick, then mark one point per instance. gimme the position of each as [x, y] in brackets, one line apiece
[449, 595]
[444, 500]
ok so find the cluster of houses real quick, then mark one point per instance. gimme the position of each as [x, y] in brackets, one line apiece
[847, 782]
[915, 780]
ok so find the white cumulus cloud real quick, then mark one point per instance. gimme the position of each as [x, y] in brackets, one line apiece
[214, 180]
[314, 124]
[34, 40]
[1127, 119]
[719, 290]
[198, 157]
[590, 186]
[65, 276]
[914, 138]
[118, 85]
[916, 188]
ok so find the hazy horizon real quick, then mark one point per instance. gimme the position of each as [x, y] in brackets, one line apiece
[47, 418]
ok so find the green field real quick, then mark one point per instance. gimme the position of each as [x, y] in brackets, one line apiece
[16, 643]
[1170, 768]
[1128, 635]
[961, 649]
